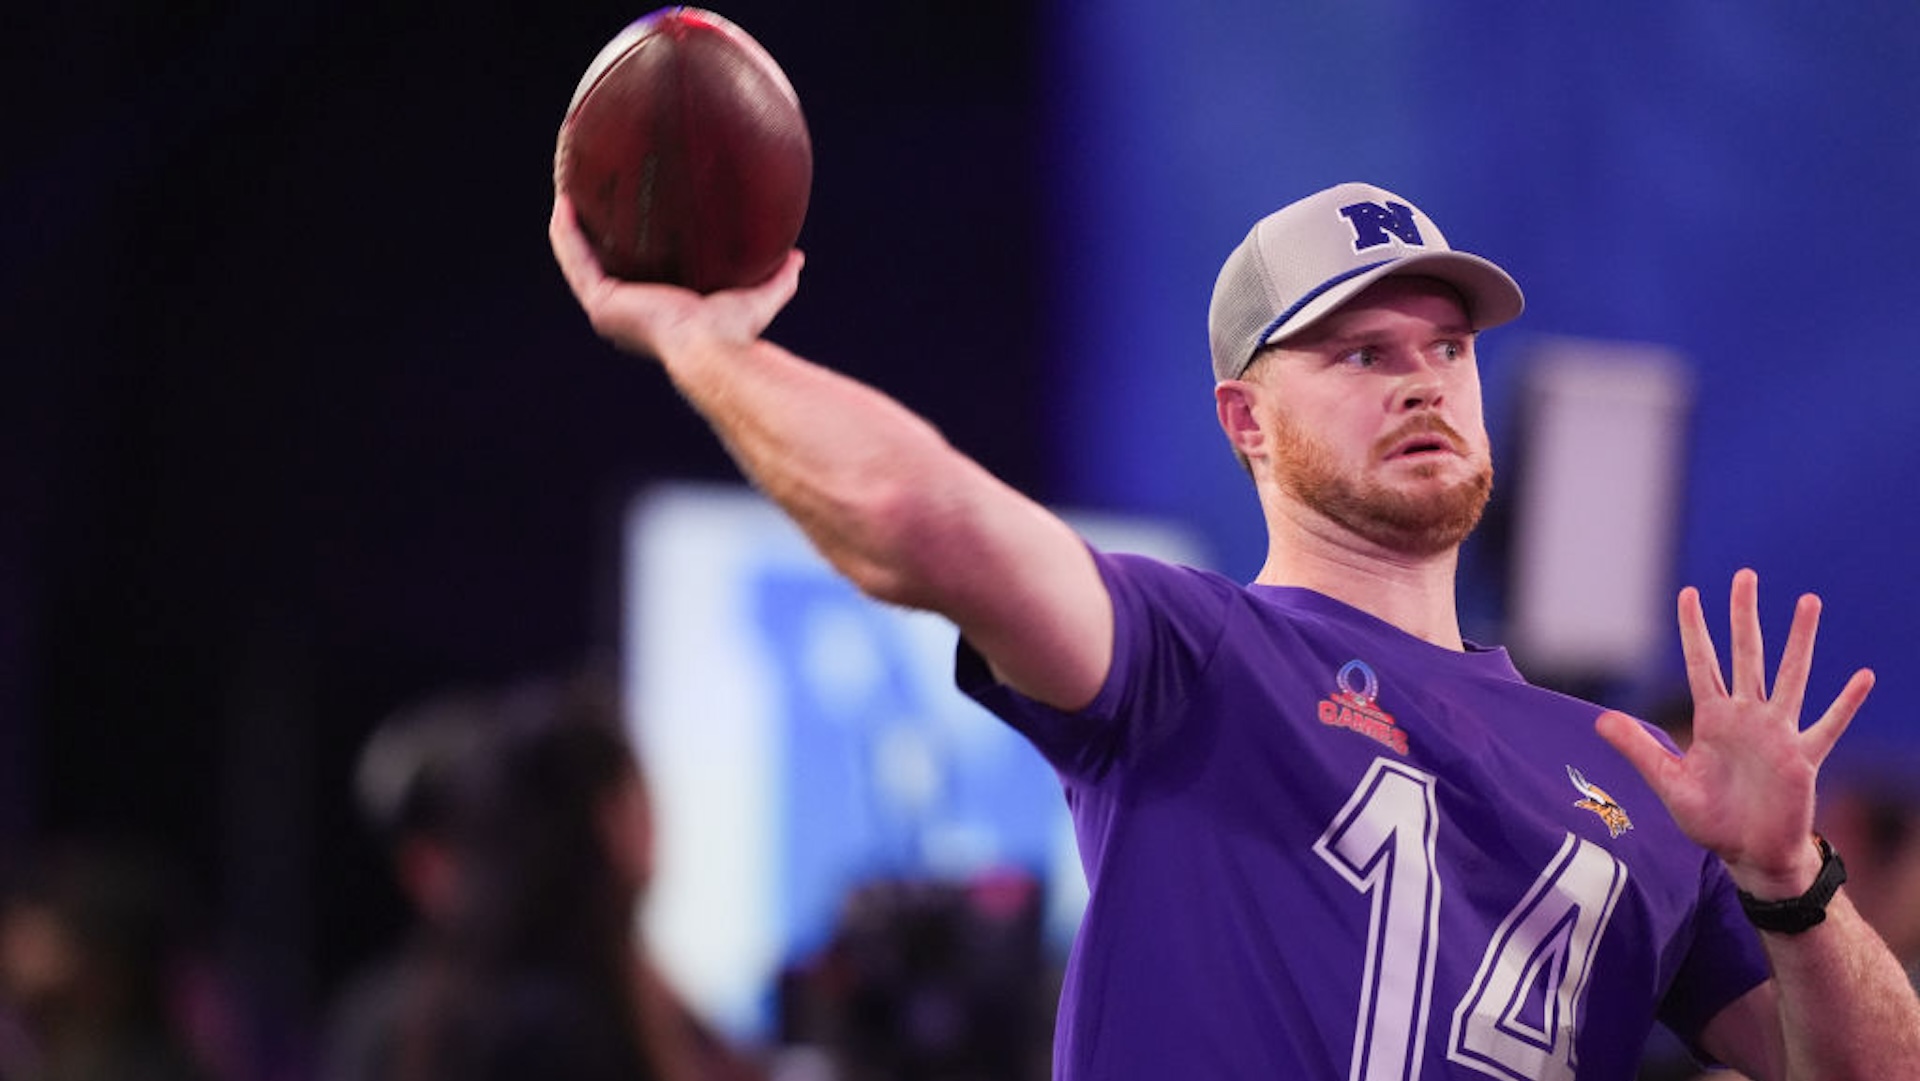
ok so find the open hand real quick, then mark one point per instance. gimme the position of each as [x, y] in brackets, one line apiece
[1745, 787]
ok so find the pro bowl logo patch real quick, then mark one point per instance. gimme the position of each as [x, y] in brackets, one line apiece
[1354, 707]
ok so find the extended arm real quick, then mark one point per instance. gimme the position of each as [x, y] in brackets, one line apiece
[889, 503]
[1839, 1005]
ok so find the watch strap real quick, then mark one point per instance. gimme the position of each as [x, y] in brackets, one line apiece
[1797, 914]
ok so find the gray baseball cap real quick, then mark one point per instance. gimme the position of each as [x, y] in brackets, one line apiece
[1304, 260]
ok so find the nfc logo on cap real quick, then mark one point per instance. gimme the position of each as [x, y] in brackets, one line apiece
[1374, 225]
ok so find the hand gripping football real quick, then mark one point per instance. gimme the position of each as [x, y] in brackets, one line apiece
[686, 155]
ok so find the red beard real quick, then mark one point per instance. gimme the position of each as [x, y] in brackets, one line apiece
[1421, 524]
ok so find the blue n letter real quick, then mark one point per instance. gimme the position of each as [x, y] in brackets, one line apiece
[1372, 223]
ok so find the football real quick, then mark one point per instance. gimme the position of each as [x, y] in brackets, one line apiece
[686, 155]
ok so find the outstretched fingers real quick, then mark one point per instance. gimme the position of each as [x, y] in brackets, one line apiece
[1817, 741]
[1796, 662]
[1744, 639]
[1748, 680]
[1696, 646]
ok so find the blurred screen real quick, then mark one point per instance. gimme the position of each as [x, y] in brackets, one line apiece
[802, 740]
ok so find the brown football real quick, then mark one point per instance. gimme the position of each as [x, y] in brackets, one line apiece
[686, 155]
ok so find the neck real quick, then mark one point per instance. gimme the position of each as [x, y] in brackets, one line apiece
[1411, 591]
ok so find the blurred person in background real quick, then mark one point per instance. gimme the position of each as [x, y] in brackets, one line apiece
[403, 787]
[929, 980]
[93, 959]
[538, 968]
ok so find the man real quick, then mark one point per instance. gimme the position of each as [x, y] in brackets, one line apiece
[521, 828]
[1324, 836]
[405, 783]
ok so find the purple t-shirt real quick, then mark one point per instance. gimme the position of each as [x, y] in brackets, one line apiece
[1321, 848]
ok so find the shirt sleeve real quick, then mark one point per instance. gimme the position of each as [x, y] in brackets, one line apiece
[1168, 621]
[1724, 961]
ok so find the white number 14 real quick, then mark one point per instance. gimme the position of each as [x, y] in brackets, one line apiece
[1518, 1019]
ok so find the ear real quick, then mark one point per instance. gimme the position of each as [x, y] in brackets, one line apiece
[1235, 401]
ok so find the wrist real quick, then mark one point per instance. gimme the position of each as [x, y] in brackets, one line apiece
[1791, 914]
[1785, 878]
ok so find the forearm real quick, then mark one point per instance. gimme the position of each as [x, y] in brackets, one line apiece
[882, 495]
[907, 518]
[866, 479]
[1847, 1009]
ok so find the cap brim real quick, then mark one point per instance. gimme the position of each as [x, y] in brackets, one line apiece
[1492, 296]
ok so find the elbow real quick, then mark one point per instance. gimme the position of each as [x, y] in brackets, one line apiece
[908, 533]
[888, 585]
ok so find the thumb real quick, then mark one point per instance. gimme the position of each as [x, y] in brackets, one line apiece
[748, 310]
[1637, 745]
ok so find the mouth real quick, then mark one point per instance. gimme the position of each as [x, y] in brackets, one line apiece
[1423, 444]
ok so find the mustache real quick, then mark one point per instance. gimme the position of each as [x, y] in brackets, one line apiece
[1423, 424]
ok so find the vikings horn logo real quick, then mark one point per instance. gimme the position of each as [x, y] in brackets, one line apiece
[1600, 803]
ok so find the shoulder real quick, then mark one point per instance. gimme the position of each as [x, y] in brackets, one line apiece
[1152, 572]
[1145, 589]
[1170, 612]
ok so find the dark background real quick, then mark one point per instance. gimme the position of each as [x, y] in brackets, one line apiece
[301, 422]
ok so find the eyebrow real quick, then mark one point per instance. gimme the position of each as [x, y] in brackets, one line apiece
[1364, 336]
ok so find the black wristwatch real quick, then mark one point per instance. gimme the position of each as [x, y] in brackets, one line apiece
[1796, 914]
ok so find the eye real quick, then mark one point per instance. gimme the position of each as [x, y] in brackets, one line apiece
[1451, 349]
[1365, 356]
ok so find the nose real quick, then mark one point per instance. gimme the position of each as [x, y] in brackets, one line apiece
[1425, 395]
[1420, 387]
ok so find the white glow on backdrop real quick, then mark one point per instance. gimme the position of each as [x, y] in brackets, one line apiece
[801, 738]
[1596, 519]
